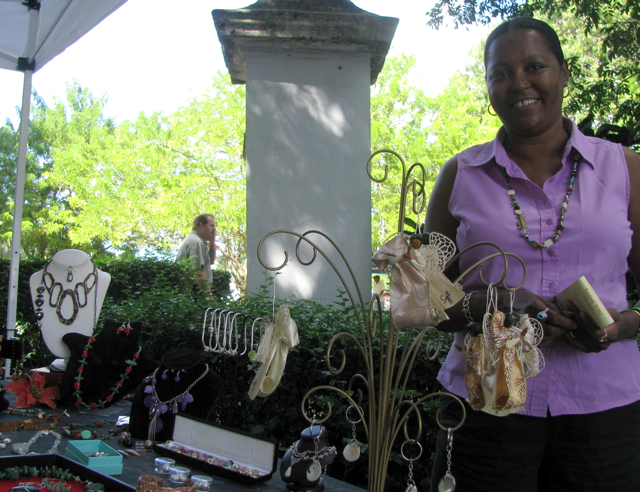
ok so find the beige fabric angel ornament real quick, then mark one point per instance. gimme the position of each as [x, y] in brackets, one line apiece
[500, 360]
[280, 336]
[420, 292]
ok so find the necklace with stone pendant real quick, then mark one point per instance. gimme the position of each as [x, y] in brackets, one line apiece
[522, 222]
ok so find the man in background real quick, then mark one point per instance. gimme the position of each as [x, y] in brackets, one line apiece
[378, 286]
[200, 248]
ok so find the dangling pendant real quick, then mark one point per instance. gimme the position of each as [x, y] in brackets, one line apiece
[447, 483]
[351, 451]
[314, 471]
[288, 472]
[411, 488]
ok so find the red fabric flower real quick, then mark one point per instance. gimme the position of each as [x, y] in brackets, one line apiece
[32, 391]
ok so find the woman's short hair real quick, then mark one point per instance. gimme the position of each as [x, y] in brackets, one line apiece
[531, 24]
[200, 220]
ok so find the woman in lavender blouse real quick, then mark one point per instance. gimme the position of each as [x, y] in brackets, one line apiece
[568, 205]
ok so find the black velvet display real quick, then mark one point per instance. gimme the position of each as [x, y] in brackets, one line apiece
[205, 392]
[106, 361]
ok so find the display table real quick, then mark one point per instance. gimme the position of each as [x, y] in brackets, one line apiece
[133, 466]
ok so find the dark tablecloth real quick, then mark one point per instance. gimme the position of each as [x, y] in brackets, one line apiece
[135, 466]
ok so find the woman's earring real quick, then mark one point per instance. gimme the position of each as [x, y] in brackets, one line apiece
[164, 375]
[564, 96]
[177, 378]
[352, 450]
[448, 483]
[411, 484]
[489, 108]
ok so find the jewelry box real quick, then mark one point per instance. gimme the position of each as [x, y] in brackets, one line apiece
[59, 461]
[96, 455]
[218, 450]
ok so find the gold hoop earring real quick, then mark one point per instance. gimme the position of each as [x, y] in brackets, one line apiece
[489, 110]
[564, 96]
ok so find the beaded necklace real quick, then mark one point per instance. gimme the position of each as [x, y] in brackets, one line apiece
[57, 293]
[55, 472]
[116, 388]
[31, 424]
[157, 407]
[522, 222]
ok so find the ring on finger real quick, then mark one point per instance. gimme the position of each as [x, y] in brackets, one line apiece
[603, 338]
[542, 315]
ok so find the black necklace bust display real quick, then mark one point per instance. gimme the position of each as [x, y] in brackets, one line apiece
[183, 383]
[107, 364]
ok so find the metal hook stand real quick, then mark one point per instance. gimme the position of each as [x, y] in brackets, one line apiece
[384, 381]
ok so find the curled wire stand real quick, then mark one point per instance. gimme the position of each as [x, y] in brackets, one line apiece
[383, 385]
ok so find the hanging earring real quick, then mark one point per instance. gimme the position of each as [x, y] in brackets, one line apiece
[126, 329]
[411, 485]
[70, 274]
[352, 450]
[164, 375]
[315, 468]
[489, 108]
[448, 483]
[39, 302]
[177, 378]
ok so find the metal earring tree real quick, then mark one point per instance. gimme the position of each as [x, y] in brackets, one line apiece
[382, 386]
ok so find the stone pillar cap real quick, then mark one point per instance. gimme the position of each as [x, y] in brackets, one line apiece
[302, 24]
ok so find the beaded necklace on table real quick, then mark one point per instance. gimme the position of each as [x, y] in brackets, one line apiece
[32, 424]
[522, 223]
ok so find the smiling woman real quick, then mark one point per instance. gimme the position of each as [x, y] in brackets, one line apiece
[576, 211]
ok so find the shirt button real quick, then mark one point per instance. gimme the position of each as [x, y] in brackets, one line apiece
[552, 252]
[549, 221]
[551, 284]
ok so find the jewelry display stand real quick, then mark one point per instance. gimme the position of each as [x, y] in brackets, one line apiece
[182, 383]
[382, 388]
[217, 450]
[67, 297]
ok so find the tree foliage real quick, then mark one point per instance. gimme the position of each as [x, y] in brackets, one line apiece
[606, 80]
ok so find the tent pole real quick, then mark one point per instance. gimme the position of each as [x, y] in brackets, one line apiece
[12, 300]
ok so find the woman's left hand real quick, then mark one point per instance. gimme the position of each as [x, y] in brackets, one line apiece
[589, 338]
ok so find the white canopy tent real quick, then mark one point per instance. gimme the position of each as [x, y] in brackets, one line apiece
[32, 33]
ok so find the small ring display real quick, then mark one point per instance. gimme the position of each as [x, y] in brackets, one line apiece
[346, 414]
[542, 315]
[411, 441]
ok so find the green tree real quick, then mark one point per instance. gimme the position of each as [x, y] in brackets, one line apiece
[45, 210]
[607, 81]
[137, 186]
[398, 122]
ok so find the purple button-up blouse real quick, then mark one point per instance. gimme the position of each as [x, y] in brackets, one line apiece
[595, 243]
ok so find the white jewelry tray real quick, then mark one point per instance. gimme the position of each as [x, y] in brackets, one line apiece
[253, 458]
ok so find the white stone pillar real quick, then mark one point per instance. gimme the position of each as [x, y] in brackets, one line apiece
[308, 134]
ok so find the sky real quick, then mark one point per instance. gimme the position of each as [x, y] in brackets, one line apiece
[154, 56]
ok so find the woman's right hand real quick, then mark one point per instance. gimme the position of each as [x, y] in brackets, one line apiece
[557, 324]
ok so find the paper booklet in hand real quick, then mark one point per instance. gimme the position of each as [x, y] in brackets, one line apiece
[585, 298]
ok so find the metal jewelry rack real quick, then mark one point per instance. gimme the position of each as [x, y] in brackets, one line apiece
[389, 411]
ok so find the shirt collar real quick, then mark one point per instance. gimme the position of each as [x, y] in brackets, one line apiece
[577, 141]
[198, 234]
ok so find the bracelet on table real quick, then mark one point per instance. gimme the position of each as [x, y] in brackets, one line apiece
[635, 309]
[465, 307]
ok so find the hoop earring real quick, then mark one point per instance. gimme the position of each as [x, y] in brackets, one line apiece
[564, 96]
[489, 110]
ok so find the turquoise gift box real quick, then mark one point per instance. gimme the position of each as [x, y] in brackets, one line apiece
[81, 451]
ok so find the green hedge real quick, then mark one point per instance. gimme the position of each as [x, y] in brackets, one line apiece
[156, 291]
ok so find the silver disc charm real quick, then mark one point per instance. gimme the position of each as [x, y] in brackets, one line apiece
[351, 451]
[447, 483]
[314, 471]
